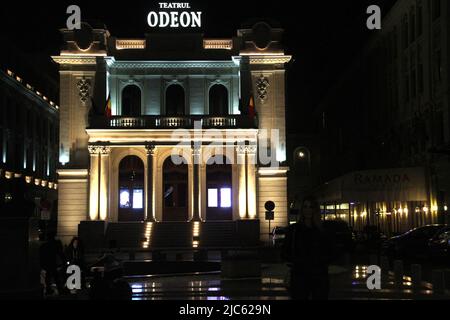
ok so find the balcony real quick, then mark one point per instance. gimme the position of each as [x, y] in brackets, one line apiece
[164, 122]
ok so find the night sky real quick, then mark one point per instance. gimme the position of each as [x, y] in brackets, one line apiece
[323, 36]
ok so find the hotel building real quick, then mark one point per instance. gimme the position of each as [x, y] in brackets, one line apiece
[211, 100]
[384, 126]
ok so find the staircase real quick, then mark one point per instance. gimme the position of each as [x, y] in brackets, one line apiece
[171, 235]
[218, 234]
[125, 234]
[143, 235]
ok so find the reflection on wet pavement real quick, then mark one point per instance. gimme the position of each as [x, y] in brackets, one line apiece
[208, 288]
[349, 284]
[390, 289]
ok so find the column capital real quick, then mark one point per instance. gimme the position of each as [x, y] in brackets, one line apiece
[93, 150]
[104, 150]
[196, 149]
[246, 149]
[251, 149]
[241, 149]
[150, 149]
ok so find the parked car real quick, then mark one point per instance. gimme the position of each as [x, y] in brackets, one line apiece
[342, 236]
[278, 236]
[439, 245]
[414, 243]
[370, 238]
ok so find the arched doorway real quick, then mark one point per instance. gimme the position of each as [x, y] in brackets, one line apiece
[131, 189]
[131, 101]
[219, 189]
[175, 100]
[218, 100]
[175, 191]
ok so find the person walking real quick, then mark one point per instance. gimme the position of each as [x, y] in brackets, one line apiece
[308, 251]
[52, 259]
[75, 256]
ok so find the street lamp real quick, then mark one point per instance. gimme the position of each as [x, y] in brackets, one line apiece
[302, 154]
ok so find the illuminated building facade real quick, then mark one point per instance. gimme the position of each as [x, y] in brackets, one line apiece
[206, 98]
[28, 136]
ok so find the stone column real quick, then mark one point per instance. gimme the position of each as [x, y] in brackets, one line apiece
[251, 181]
[104, 182]
[150, 216]
[242, 181]
[196, 150]
[94, 182]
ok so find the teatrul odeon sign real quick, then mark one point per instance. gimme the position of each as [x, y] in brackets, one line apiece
[174, 15]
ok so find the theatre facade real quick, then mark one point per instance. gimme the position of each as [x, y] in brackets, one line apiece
[161, 138]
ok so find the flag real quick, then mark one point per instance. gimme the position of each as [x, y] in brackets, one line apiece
[108, 107]
[251, 107]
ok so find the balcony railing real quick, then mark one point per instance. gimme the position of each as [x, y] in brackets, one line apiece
[165, 122]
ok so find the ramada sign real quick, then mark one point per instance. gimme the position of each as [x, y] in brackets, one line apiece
[172, 16]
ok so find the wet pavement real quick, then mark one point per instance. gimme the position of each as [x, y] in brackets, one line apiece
[346, 283]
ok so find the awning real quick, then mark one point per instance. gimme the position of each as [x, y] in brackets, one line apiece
[401, 184]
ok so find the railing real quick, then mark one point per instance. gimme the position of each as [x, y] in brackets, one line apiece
[165, 122]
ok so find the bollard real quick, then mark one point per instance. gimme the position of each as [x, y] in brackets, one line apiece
[223, 254]
[398, 272]
[385, 267]
[179, 256]
[158, 256]
[416, 275]
[438, 282]
[201, 255]
[347, 260]
[447, 279]
[132, 255]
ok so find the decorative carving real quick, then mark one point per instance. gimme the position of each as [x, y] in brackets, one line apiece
[74, 60]
[223, 44]
[240, 149]
[94, 149]
[150, 148]
[251, 149]
[196, 149]
[84, 88]
[243, 149]
[274, 60]
[104, 150]
[262, 85]
[130, 44]
[173, 65]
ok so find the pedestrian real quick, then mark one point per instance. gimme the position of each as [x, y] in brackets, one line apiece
[110, 286]
[75, 252]
[52, 260]
[308, 250]
[75, 256]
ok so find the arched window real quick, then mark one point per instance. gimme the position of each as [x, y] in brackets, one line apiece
[175, 100]
[218, 100]
[131, 189]
[131, 101]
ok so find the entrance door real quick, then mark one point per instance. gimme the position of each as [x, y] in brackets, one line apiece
[219, 189]
[175, 191]
[131, 189]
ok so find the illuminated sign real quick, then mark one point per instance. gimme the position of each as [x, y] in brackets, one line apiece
[172, 16]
